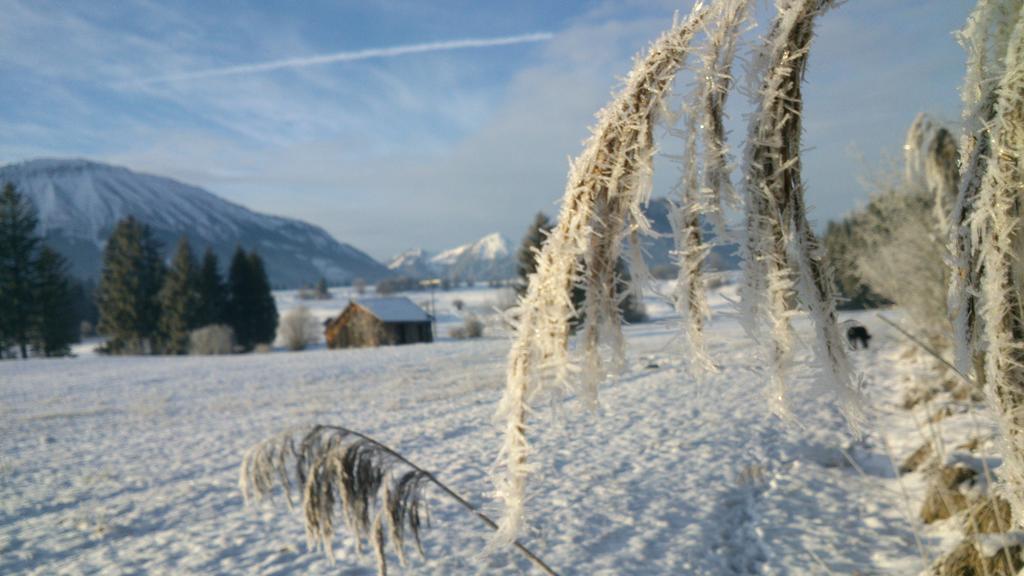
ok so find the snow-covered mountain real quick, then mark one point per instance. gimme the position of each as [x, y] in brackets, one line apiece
[486, 259]
[414, 263]
[79, 202]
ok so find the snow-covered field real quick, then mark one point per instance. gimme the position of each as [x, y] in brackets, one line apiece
[130, 465]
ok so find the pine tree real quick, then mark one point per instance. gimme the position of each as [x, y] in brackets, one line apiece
[180, 300]
[527, 256]
[17, 250]
[128, 295]
[322, 291]
[211, 291]
[54, 324]
[251, 311]
[264, 308]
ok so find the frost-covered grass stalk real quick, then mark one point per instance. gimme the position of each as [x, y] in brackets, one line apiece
[932, 161]
[711, 197]
[998, 231]
[781, 251]
[378, 492]
[607, 188]
[985, 40]
[714, 81]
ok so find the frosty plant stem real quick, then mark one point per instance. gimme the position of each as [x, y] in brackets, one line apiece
[998, 224]
[779, 238]
[332, 462]
[608, 185]
[709, 198]
[985, 39]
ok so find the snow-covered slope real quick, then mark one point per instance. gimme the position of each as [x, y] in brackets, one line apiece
[129, 465]
[486, 259]
[414, 263]
[79, 203]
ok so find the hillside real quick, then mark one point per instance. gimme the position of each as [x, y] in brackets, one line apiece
[79, 202]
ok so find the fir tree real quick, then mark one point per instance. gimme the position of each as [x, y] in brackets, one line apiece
[527, 256]
[251, 311]
[180, 300]
[55, 324]
[264, 308]
[17, 250]
[211, 291]
[322, 291]
[128, 295]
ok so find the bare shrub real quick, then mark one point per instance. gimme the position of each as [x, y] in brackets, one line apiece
[944, 498]
[378, 493]
[211, 340]
[903, 257]
[916, 459]
[472, 327]
[967, 560]
[988, 516]
[298, 329]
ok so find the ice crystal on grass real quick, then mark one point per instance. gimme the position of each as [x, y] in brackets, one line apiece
[782, 257]
[608, 185]
[998, 224]
[709, 197]
[378, 493]
[334, 468]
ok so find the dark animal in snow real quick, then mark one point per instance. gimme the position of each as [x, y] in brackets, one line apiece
[858, 334]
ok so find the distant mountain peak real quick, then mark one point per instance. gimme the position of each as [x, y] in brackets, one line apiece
[80, 201]
[490, 247]
[483, 260]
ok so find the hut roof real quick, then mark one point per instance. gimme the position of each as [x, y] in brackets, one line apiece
[394, 309]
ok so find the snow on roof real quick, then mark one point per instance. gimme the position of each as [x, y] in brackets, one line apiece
[394, 309]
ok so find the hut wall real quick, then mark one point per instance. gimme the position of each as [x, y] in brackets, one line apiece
[357, 328]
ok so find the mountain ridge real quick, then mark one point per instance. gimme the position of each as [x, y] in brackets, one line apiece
[79, 202]
[488, 258]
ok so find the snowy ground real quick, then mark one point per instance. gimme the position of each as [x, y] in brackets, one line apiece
[130, 465]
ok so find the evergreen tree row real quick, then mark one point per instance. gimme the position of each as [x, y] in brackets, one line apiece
[37, 296]
[146, 307]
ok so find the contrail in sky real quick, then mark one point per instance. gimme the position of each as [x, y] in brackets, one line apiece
[388, 52]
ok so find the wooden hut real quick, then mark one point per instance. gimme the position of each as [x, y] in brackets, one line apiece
[378, 322]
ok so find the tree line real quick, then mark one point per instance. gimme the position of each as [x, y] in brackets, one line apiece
[146, 307]
[141, 305]
[37, 296]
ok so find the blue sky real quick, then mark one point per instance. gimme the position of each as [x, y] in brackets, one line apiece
[427, 149]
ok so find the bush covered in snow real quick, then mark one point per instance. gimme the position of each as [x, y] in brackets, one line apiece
[472, 327]
[298, 329]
